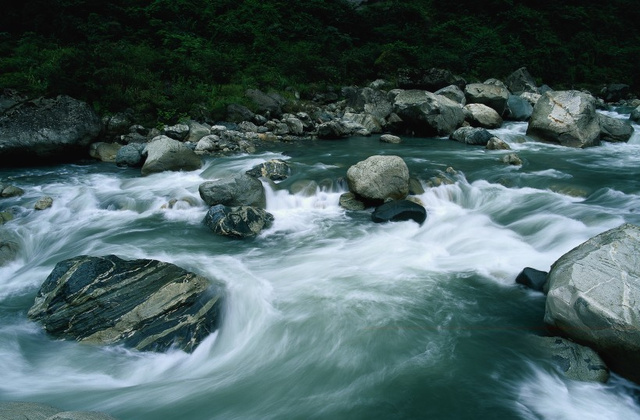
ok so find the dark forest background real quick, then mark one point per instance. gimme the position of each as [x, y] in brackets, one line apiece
[169, 58]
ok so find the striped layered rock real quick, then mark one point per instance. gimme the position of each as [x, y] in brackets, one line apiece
[143, 304]
[237, 222]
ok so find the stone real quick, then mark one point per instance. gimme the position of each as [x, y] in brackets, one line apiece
[521, 81]
[378, 178]
[614, 129]
[349, 201]
[11, 191]
[166, 154]
[532, 278]
[294, 125]
[471, 135]
[390, 138]
[141, 304]
[427, 114]
[268, 105]
[399, 210]
[238, 113]
[593, 296]
[511, 159]
[8, 247]
[415, 186]
[47, 130]
[5, 217]
[197, 131]
[238, 190]
[43, 203]
[105, 152]
[635, 115]
[518, 108]
[274, 169]
[576, 362]
[237, 222]
[116, 125]
[493, 96]
[480, 115]
[130, 155]
[332, 130]
[364, 121]
[615, 92]
[496, 143]
[567, 118]
[177, 132]
[454, 93]
[26, 411]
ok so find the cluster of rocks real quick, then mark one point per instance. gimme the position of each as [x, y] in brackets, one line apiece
[592, 297]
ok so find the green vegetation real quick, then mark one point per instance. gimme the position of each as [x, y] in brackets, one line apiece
[169, 58]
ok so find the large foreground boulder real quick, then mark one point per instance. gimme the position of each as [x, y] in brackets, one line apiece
[47, 130]
[378, 178]
[427, 114]
[238, 190]
[567, 118]
[166, 154]
[237, 222]
[143, 304]
[594, 297]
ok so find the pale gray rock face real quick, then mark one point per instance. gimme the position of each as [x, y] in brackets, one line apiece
[576, 362]
[593, 297]
[379, 177]
[493, 96]
[239, 190]
[143, 304]
[426, 113]
[567, 118]
[166, 154]
[480, 115]
[237, 222]
[106, 152]
[390, 138]
[47, 130]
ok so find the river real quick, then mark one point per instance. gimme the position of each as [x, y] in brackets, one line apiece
[329, 316]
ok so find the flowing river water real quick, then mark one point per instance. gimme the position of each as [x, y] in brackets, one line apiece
[329, 316]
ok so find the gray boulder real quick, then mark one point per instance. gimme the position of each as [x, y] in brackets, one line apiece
[614, 129]
[635, 115]
[166, 154]
[116, 125]
[521, 81]
[332, 130]
[177, 132]
[615, 92]
[105, 152]
[7, 191]
[237, 222]
[399, 210]
[427, 114]
[239, 190]
[480, 115]
[471, 135]
[454, 93]
[238, 113]
[496, 143]
[576, 362]
[493, 96]
[197, 131]
[362, 121]
[349, 201]
[593, 295]
[518, 108]
[567, 118]
[378, 178]
[47, 130]
[369, 101]
[90, 299]
[130, 155]
[274, 169]
[511, 159]
[390, 138]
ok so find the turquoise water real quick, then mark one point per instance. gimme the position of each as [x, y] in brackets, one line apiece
[329, 315]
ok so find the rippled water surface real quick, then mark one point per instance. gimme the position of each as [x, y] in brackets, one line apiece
[328, 314]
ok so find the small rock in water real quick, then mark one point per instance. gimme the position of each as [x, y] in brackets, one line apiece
[349, 201]
[43, 203]
[390, 138]
[237, 222]
[399, 210]
[274, 169]
[532, 278]
[11, 191]
[512, 159]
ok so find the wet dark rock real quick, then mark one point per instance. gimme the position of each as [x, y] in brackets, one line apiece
[130, 155]
[614, 129]
[532, 278]
[518, 108]
[274, 169]
[237, 222]
[142, 304]
[399, 210]
[239, 190]
[7, 191]
[427, 114]
[471, 135]
[491, 95]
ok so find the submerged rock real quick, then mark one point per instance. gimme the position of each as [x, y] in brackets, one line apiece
[594, 294]
[532, 278]
[143, 304]
[237, 222]
[399, 210]
[576, 362]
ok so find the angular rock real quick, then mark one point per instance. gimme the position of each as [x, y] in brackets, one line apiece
[567, 118]
[378, 178]
[116, 125]
[576, 362]
[454, 93]
[166, 154]
[521, 81]
[532, 278]
[197, 131]
[614, 129]
[369, 101]
[274, 169]
[415, 186]
[47, 130]
[495, 143]
[518, 108]
[635, 115]
[511, 159]
[427, 114]
[471, 135]
[480, 115]
[390, 138]
[593, 296]
[332, 130]
[177, 132]
[399, 210]
[143, 304]
[349, 201]
[295, 125]
[239, 190]
[363, 121]
[130, 155]
[7, 191]
[43, 203]
[493, 96]
[105, 152]
[237, 222]
[238, 113]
